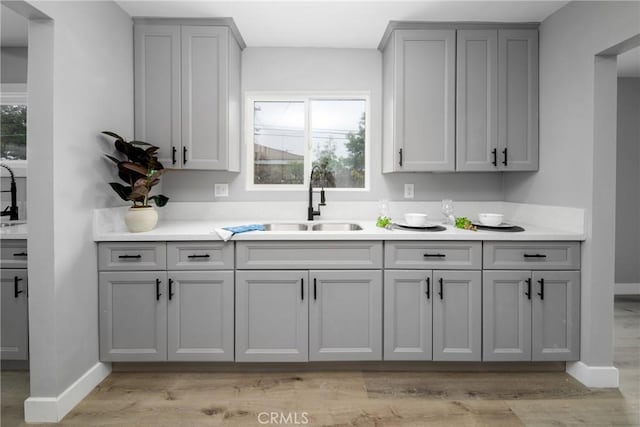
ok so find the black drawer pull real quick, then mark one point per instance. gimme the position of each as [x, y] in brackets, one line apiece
[400, 153]
[504, 162]
[435, 255]
[541, 293]
[16, 291]
[428, 288]
[528, 293]
[302, 289]
[130, 256]
[315, 291]
[158, 294]
[170, 289]
[441, 293]
[534, 255]
[184, 155]
[20, 254]
[199, 256]
[173, 155]
[494, 152]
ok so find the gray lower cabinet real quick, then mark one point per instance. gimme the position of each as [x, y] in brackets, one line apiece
[272, 314]
[531, 315]
[408, 314]
[457, 315]
[14, 318]
[345, 315]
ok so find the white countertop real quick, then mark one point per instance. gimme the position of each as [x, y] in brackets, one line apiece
[13, 232]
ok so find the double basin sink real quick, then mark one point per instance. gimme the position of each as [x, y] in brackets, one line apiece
[321, 226]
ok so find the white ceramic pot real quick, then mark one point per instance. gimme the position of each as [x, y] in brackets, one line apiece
[141, 219]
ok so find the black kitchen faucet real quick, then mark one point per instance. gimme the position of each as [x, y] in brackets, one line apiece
[311, 212]
[11, 211]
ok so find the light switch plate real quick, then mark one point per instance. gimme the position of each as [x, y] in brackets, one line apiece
[221, 190]
[408, 191]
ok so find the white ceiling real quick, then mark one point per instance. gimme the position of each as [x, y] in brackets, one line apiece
[13, 28]
[629, 63]
[333, 23]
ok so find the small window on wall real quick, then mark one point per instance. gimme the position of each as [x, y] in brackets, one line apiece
[13, 127]
[290, 135]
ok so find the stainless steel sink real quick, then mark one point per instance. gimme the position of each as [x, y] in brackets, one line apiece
[278, 226]
[336, 226]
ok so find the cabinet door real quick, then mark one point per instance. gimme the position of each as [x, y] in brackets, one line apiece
[477, 100]
[407, 314]
[457, 315]
[157, 89]
[425, 100]
[14, 341]
[200, 316]
[133, 316]
[345, 315]
[518, 99]
[204, 97]
[556, 315]
[272, 315]
[506, 308]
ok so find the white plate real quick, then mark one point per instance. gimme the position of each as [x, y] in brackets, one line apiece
[403, 224]
[503, 225]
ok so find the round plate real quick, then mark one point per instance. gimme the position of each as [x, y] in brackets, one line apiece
[503, 225]
[415, 227]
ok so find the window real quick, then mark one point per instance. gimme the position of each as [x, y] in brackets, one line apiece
[290, 135]
[13, 127]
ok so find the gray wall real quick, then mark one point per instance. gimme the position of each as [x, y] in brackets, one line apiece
[574, 170]
[81, 68]
[14, 65]
[318, 69]
[628, 182]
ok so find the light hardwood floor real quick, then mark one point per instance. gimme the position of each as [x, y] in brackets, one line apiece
[357, 398]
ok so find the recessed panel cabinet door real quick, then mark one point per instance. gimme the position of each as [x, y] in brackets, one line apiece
[272, 315]
[457, 318]
[133, 316]
[345, 315]
[424, 90]
[556, 315]
[200, 316]
[506, 315]
[407, 314]
[14, 341]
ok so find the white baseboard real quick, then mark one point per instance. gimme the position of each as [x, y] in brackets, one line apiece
[53, 409]
[627, 289]
[594, 376]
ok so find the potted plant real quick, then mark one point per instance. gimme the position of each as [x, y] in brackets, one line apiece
[140, 170]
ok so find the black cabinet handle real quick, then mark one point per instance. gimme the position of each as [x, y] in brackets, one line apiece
[158, 294]
[20, 254]
[504, 162]
[534, 255]
[441, 293]
[315, 290]
[16, 291]
[494, 152]
[173, 154]
[184, 155]
[428, 288]
[302, 289]
[170, 289]
[528, 293]
[199, 256]
[400, 152]
[130, 256]
[435, 255]
[541, 293]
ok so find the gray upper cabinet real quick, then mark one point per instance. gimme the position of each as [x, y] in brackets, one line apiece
[419, 101]
[345, 315]
[187, 92]
[272, 314]
[457, 318]
[477, 100]
[518, 100]
[408, 314]
[200, 316]
[14, 315]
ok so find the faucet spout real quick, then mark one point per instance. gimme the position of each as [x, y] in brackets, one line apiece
[11, 211]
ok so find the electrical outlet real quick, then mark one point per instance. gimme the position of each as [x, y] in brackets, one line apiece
[221, 190]
[408, 191]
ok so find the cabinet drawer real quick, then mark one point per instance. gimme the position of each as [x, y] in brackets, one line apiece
[199, 256]
[132, 256]
[308, 255]
[13, 254]
[433, 255]
[532, 255]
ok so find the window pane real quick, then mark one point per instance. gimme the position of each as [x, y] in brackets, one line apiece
[278, 142]
[13, 132]
[338, 142]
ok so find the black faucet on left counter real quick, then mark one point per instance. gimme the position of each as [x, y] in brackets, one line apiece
[11, 211]
[311, 212]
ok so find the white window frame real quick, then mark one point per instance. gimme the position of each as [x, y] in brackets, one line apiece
[251, 97]
[15, 94]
